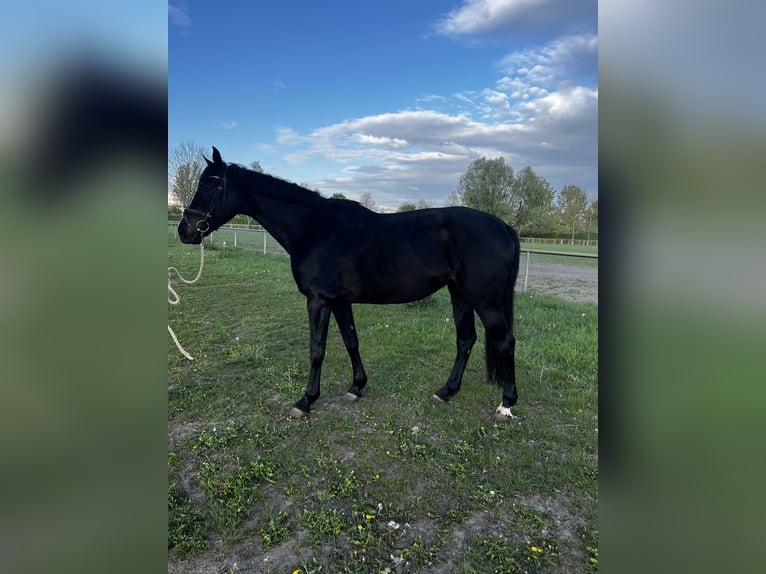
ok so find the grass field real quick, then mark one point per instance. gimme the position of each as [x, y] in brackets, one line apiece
[392, 483]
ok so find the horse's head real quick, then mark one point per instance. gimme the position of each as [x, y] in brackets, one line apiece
[210, 207]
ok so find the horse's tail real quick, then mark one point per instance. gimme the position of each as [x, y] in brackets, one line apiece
[514, 266]
[499, 343]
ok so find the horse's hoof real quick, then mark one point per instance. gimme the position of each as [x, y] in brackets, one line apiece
[352, 397]
[503, 414]
[437, 400]
[296, 413]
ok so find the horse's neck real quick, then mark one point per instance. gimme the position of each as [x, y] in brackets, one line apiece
[284, 216]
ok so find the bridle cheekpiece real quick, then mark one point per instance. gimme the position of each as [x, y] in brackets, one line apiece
[203, 224]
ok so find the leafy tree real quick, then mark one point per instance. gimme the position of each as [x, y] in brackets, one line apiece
[592, 213]
[487, 186]
[367, 200]
[572, 204]
[453, 199]
[184, 168]
[407, 206]
[338, 195]
[256, 166]
[532, 203]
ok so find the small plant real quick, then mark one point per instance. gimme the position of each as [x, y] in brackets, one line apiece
[322, 524]
[248, 354]
[186, 524]
[231, 494]
[275, 531]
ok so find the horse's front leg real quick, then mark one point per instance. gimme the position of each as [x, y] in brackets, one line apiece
[345, 319]
[319, 318]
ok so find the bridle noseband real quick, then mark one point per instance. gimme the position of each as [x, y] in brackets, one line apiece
[203, 224]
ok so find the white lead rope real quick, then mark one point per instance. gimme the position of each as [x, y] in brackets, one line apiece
[174, 299]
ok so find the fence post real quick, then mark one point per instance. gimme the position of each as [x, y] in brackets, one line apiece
[235, 238]
[264, 242]
[526, 273]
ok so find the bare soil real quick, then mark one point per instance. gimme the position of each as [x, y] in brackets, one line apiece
[577, 283]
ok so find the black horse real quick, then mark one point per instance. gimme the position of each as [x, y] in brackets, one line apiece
[342, 253]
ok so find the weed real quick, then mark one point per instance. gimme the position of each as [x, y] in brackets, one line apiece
[322, 524]
[275, 531]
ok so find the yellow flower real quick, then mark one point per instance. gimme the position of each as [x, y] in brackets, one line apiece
[369, 516]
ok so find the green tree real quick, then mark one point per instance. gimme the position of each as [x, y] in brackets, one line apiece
[572, 204]
[487, 186]
[591, 215]
[532, 203]
[256, 166]
[407, 206]
[184, 169]
[453, 199]
[338, 195]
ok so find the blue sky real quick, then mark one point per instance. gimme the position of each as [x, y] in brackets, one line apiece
[393, 98]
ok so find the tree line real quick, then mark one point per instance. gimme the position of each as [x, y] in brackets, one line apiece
[525, 200]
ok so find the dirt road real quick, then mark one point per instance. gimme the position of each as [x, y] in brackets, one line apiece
[571, 282]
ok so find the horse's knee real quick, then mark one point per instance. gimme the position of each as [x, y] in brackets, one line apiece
[316, 359]
[464, 346]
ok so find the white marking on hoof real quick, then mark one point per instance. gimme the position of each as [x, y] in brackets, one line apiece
[504, 414]
[437, 400]
[296, 413]
[352, 397]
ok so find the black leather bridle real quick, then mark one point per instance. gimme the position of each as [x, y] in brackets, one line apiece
[203, 223]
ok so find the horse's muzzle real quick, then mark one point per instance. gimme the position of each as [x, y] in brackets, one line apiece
[188, 234]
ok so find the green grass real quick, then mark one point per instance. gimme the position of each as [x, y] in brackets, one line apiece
[393, 481]
[544, 258]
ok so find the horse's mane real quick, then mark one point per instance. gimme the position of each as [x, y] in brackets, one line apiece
[272, 186]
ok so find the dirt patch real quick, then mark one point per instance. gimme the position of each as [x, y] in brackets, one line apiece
[179, 432]
[578, 283]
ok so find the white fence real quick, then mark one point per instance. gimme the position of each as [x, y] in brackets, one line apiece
[549, 241]
[251, 237]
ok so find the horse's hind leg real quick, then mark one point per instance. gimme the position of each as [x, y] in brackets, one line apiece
[465, 328]
[501, 360]
[345, 318]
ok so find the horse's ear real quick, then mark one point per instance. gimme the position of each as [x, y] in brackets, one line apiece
[209, 163]
[217, 156]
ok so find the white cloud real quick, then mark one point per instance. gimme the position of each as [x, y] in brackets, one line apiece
[178, 15]
[520, 17]
[228, 125]
[382, 140]
[576, 103]
[563, 58]
[288, 136]
[541, 112]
